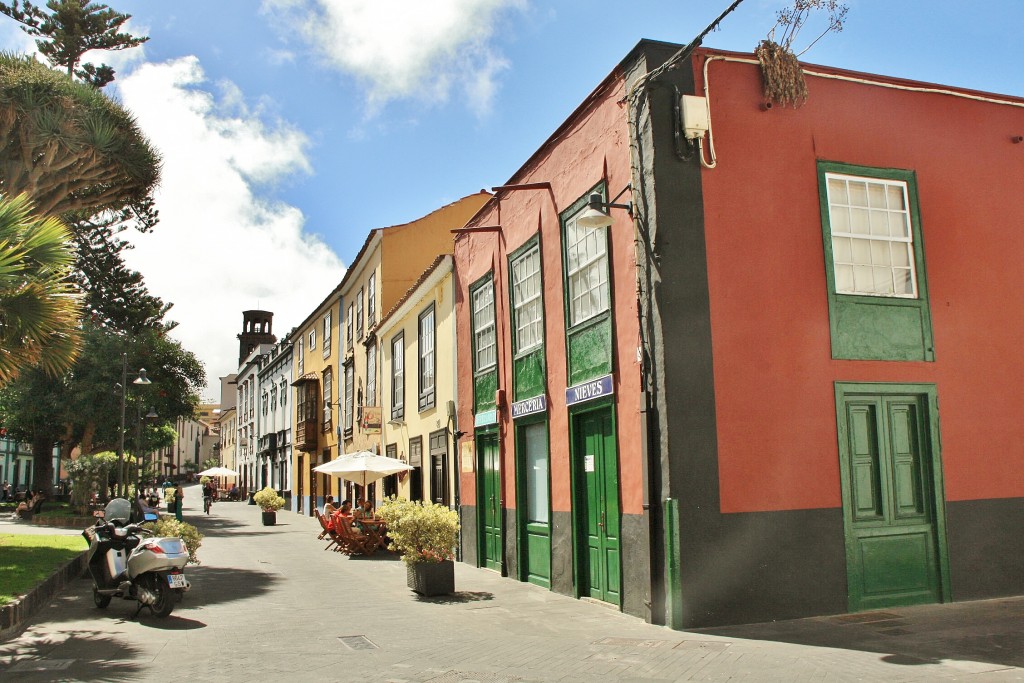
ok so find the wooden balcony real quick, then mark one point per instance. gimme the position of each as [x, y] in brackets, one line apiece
[306, 436]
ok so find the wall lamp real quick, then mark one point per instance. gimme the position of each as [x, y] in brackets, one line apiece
[596, 214]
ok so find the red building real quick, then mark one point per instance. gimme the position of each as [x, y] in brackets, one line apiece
[729, 400]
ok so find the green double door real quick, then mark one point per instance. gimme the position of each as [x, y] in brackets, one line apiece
[892, 498]
[595, 462]
[489, 501]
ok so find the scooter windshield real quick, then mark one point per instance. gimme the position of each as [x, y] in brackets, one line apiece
[117, 510]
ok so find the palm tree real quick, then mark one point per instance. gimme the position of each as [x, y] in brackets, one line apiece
[70, 148]
[39, 306]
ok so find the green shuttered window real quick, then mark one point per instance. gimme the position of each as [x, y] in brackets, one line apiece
[874, 263]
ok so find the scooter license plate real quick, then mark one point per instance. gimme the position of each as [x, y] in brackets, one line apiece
[176, 580]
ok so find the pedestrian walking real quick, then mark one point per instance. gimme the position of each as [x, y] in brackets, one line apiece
[179, 498]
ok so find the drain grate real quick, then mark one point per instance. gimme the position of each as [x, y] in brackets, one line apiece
[707, 645]
[42, 665]
[358, 643]
[631, 642]
[472, 677]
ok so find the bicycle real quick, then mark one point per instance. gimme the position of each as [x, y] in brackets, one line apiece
[207, 502]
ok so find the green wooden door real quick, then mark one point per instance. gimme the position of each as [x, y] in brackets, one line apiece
[534, 505]
[597, 506]
[892, 545]
[489, 501]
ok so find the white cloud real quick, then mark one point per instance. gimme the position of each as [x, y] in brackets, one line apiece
[220, 247]
[399, 49]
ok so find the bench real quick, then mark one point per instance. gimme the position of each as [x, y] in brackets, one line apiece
[29, 513]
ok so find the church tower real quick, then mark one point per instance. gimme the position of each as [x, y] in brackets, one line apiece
[257, 328]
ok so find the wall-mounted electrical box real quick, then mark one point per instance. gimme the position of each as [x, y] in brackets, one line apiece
[695, 116]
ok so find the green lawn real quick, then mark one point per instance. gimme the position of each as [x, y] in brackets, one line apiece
[26, 561]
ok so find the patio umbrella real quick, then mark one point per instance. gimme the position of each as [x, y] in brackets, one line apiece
[219, 472]
[363, 467]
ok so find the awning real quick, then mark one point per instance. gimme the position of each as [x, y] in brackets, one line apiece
[308, 377]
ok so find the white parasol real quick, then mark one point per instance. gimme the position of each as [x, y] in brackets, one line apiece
[219, 472]
[363, 467]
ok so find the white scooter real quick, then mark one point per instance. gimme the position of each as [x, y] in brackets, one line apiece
[126, 561]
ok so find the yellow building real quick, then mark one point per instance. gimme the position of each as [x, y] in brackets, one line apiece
[338, 398]
[418, 355]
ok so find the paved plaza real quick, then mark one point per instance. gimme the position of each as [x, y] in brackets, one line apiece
[268, 604]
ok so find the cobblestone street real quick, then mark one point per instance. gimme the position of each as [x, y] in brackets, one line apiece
[267, 603]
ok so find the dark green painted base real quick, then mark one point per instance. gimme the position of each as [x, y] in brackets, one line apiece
[561, 554]
[511, 554]
[468, 531]
[985, 548]
[636, 566]
[751, 567]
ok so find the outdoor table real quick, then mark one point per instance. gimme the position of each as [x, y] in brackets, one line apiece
[375, 528]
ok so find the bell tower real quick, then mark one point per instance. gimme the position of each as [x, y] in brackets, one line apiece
[257, 328]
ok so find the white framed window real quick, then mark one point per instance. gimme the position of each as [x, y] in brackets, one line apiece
[359, 315]
[350, 397]
[872, 238]
[312, 339]
[328, 405]
[284, 392]
[486, 353]
[398, 377]
[273, 398]
[371, 376]
[348, 326]
[327, 335]
[302, 358]
[527, 300]
[426, 358]
[265, 403]
[586, 258]
[371, 299]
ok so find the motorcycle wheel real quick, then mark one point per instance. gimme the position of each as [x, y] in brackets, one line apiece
[164, 595]
[101, 601]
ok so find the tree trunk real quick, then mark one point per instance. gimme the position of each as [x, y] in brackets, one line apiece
[42, 464]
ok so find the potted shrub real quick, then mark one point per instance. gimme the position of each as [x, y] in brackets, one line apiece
[270, 503]
[425, 535]
[169, 498]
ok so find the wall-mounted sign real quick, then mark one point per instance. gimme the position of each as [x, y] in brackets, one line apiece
[466, 455]
[485, 418]
[588, 391]
[588, 463]
[369, 421]
[529, 406]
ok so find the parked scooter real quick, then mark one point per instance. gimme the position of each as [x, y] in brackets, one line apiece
[126, 561]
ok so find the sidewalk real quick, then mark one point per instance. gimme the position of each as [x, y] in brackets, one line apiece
[268, 604]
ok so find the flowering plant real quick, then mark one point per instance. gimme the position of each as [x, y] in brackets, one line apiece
[268, 500]
[421, 532]
[169, 494]
[170, 527]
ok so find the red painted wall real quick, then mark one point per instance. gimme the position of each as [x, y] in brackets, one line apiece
[769, 311]
[592, 146]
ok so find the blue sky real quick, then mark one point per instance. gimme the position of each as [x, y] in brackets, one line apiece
[290, 128]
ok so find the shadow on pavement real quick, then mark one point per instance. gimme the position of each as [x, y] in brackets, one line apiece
[171, 623]
[215, 585]
[456, 598]
[990, 632]
[91, 655]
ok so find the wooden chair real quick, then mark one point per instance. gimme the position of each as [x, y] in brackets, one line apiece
[353, 541]
[327, 531]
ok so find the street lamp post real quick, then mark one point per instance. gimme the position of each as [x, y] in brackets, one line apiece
[150, 416]
[141, 380]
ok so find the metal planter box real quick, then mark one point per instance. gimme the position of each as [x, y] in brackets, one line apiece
[432, 578]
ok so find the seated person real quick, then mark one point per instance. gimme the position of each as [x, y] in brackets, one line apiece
[363, 511]
[233, 493]
[147, 507]
[344, 511]
[30, 502]
[329, 506]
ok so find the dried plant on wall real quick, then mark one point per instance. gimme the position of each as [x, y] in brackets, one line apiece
[780, 67]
